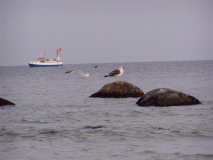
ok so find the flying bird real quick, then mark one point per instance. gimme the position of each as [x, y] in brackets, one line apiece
[83, 75]
[116, 73]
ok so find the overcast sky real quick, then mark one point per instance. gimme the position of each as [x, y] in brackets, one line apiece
[106, 31]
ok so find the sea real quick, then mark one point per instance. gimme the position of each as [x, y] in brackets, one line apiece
[54, 117]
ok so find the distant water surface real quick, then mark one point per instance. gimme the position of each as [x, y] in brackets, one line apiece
[54, 118]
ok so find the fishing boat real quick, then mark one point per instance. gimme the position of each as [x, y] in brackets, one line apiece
[47, 62]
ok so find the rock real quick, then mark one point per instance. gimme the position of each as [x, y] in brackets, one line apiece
[93, 127]
[166, 97]
[119, 89]
[4, 102]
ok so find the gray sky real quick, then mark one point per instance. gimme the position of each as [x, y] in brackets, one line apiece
[106, 31]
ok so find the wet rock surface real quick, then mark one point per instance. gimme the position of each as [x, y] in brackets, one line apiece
[163, 97]
[119, 89]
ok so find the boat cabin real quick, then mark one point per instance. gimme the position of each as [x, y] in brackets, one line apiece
[41, 59]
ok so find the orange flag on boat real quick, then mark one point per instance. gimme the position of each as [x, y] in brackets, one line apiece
[60, 49]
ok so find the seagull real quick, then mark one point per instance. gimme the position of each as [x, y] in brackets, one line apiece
[116, 73]
[83, 75]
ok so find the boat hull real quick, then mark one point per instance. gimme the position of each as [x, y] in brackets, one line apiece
[37, 64]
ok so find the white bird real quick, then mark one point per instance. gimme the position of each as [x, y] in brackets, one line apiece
[83, 75]
[116, 73]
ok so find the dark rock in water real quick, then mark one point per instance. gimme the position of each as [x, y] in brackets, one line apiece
[166, 97]
[4, 102]
[119, 89]
[94, 127]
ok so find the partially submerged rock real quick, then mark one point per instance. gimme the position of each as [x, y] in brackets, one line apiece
[119, 89]
[4, 102]
[166, 97]
[93, 127]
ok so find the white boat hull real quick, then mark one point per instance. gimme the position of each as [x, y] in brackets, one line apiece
[45, 64]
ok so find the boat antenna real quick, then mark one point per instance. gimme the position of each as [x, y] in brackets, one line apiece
[44, 53]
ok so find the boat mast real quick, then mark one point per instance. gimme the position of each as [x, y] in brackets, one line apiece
[44, 53]
[58, 54]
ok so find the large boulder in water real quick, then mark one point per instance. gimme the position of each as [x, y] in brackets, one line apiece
[119, 89]
[166, 97]
[4, 102]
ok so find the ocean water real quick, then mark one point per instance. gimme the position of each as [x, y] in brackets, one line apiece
[54, 118]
